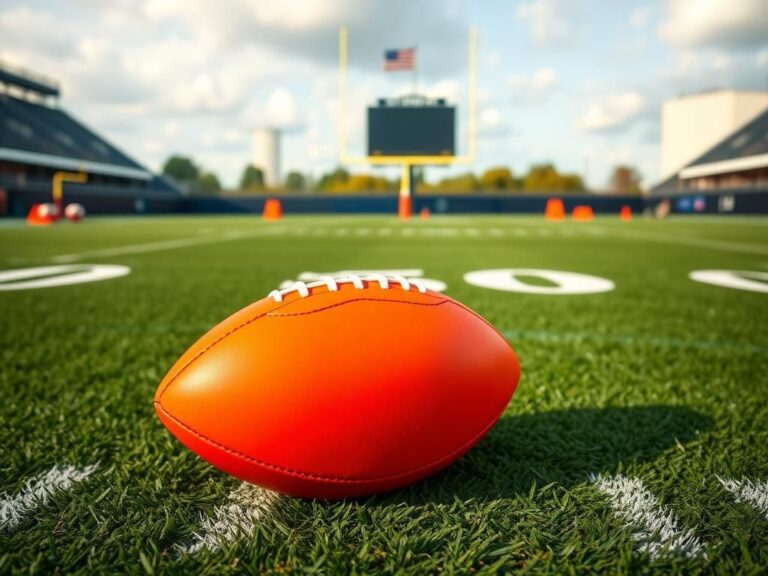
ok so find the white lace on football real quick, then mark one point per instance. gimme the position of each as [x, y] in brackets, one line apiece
[332, 284]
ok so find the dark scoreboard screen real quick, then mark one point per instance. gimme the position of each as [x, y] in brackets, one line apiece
[411, 130]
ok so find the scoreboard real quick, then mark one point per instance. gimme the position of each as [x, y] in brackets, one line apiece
[412, 126]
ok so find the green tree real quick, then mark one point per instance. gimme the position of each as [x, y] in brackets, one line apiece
[499, 178]
[546, 178]
[181, 169]
[295, 181]
[208, 182]
[252, 178]
[328, 182]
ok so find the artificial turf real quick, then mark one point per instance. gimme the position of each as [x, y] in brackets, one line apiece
[662, 379]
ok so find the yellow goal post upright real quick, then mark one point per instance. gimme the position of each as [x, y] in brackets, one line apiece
[57, 185]
[408, 162]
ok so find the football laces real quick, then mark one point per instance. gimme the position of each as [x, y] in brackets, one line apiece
[332, 284]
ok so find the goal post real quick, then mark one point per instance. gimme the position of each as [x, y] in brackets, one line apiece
[408, 161]
[57, 185]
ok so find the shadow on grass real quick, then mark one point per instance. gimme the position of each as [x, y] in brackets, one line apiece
[562, 446]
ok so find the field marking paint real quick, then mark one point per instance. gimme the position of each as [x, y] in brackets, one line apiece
[736, 279]
[162, 245]
[739, 247]
[37, 491]
[631, 340]
[566, 283]
[63, 275]
[655, 529]
[238, 518]
[752, 493]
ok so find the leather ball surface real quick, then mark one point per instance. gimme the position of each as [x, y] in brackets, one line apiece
[340, 389]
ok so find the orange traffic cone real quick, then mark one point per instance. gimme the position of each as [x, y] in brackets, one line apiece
[404, 207]
[424, 213]
[626, 213]
[273, 209]
[582, 214]
[42, 214]
[554, 210]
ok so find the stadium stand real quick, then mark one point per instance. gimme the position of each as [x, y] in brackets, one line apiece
[38, 139]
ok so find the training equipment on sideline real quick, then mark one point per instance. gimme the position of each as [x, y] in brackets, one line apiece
[74, 212]
[554, 210]
[43, 214]
[273, 209]
[340, 388]
[582, 214]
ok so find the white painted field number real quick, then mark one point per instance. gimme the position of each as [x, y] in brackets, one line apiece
[507, 280]
[737, 279]
[62, 275]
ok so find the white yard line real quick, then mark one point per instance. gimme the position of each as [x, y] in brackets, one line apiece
[655, 529]
[726, 246]
[752, 493]
[151, 247]
[37, 491]
[238, 518]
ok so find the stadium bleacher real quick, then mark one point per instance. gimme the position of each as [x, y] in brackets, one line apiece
[38, 138]
[41, 130]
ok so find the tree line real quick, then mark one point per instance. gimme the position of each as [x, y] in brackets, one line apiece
[543, 177]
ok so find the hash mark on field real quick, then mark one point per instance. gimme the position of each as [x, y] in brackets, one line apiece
[245, 506]
[655, 529]
[727, 246]
[37, 491]
[753, 493]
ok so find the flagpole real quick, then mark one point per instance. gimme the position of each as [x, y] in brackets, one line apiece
[415, 71]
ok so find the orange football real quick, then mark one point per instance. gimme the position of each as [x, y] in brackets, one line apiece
[340, 388]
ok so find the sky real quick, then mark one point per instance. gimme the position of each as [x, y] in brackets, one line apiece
[577, 83]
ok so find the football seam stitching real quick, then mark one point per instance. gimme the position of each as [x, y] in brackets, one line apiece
[251, 320]
[278, 315]
[333, 479]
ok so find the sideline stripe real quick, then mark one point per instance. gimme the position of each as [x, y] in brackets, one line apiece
[245, 506]
[37, 491]
[655, 529]
[753, 493]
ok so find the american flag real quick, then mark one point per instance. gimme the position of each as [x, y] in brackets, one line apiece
[402, 59]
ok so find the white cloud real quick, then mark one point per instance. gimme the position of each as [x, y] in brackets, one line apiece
[640, 17]
[449, 89]
[307, 29]
[612, 112]
[281, 109]
[550, 22]
[492, 123]
[533, 88]
[715, 23]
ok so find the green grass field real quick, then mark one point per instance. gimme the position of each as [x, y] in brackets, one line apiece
[637, 409]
